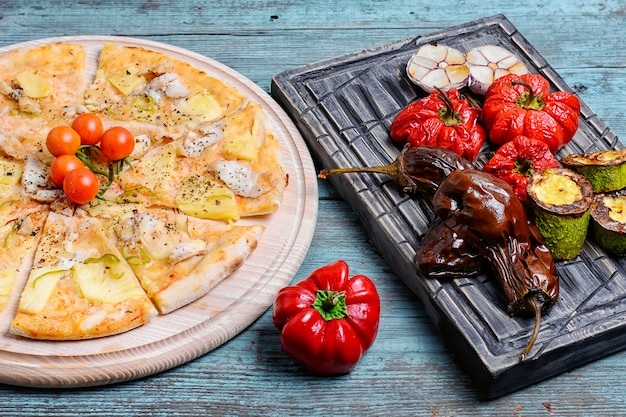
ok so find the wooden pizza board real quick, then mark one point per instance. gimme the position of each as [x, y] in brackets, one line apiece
[183, 335]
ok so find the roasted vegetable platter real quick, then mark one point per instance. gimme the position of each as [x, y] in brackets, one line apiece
[344, 108]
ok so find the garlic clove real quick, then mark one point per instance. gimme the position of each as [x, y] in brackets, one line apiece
[438, 66]
[488, 63]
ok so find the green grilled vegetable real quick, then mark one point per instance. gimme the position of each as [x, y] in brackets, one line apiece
[608, 222]
[559, 205]
[605, 170]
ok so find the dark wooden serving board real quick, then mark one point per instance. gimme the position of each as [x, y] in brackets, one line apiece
[344, 107]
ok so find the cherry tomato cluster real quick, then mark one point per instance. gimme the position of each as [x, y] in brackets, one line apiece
[72, 146]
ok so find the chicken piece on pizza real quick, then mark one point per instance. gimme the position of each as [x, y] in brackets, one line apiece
[40, 87]
[79, 286]
[178, 258]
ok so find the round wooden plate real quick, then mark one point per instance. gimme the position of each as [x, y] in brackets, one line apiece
[183, 335]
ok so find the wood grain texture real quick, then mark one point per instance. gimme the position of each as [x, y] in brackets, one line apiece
[409, 370]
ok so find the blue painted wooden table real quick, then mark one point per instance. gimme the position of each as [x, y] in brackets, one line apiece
[409, 370]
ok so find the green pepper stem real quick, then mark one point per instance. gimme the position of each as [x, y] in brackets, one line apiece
[447, 114]
[528, 99]
[525, 167]
[331, 304]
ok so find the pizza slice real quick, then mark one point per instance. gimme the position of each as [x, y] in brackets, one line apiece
[145, 87]
[80, 286]
[246, 159]
[177, 258]
[21, 224]
[233, 171]
[211, 155]
[40, 87]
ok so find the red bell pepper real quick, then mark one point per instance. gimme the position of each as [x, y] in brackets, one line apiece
[517, 105]
[516, 161]
[328, 320]
[446, 120]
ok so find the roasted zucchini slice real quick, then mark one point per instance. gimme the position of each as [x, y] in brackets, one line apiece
[559, 203]
[605, 170]
[608, 222]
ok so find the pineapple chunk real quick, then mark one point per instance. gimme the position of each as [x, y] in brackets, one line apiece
[243, 146]
[153, 172]
[34, 85]
[203, 106]
[204, 198]
[246, 144]
[38, 289]
[127, 80]
[10, 172]
[106, 282]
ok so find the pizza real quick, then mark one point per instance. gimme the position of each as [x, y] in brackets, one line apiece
[79, 285]
[171, 219]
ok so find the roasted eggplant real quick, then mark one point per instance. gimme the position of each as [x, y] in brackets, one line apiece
[446, 255]
[489, 218]
[417, 170]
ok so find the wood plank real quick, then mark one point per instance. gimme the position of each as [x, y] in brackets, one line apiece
[408, 370]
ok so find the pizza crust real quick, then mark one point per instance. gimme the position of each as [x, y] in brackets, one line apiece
[224, 258]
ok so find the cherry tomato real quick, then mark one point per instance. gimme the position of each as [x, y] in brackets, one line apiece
[117, 143]
[90, 128]
[81, 185]
[61, 166]
[62, 140]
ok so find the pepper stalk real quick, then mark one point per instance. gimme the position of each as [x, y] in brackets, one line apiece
[331, 304]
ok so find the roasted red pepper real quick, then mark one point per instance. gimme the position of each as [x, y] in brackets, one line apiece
[446, 120]
[516, 161]
[523, 105]
[328, 320]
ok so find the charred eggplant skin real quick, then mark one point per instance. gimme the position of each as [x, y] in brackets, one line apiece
[605, 170]
[446, 255]
[559, 202]
[485, 212]
[608, 222]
